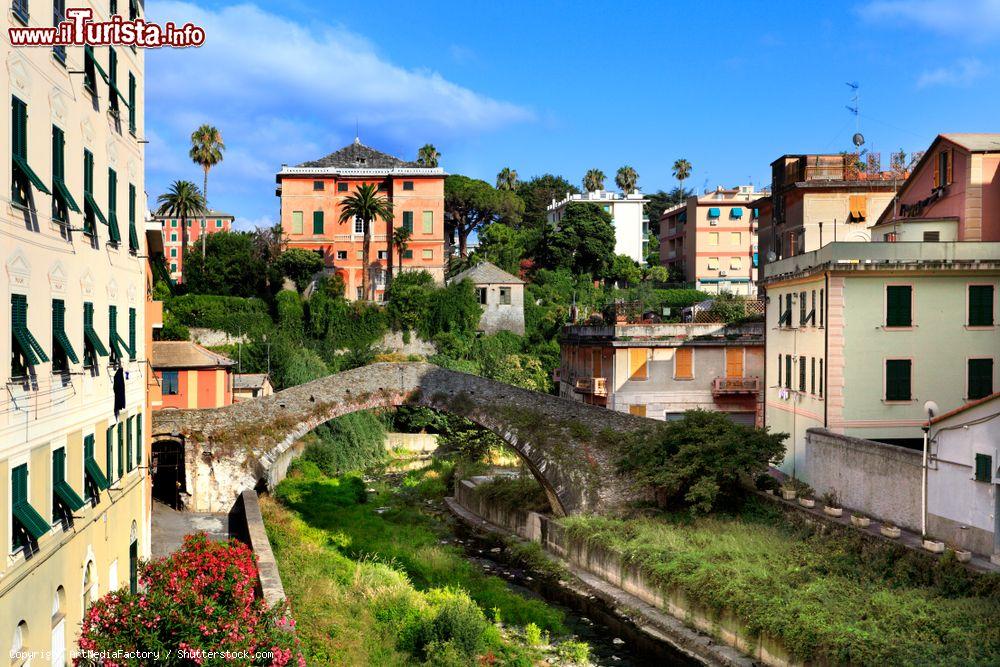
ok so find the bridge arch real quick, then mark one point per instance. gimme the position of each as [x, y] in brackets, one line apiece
[568, 446]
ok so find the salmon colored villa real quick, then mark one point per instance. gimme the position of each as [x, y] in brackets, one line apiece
[191, 377]
[953, 194]
[312, 194]
[173, 235]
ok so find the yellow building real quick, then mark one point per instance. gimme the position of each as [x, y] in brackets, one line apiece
[712, 239]
[74, 488]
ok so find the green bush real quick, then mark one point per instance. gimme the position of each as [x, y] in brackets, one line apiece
[291, 314]
[515, 493]
[234, 315]
[408, 299]
[457, 623]
[453, 308]
[699, 461]
[353, 442]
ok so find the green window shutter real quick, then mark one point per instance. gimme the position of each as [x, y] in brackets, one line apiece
[59, 330]
[317, 222]
[788, 371]
[138, 439]
[821, 377]
[116, 351]
[90, 338]
[19, 152]
[128, 445]
[897, 379]
[802, 374]
[131, 102]
[779, 370]
[408, 254]
[133, 236]
[121, 451]
[980, 374]
[28, 344]
[61, 490]
[109, 453]
[131, 334]
[898, 311]
[113, 234]
[984, 468]
[980, 305]
[25, 516]
[408, 221]
[94, 473]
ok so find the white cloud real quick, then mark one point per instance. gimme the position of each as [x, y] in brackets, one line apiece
[978, 20]
[961, 73]
[285, 92]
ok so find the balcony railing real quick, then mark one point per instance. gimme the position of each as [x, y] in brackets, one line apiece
[745, 385]
[595, 386]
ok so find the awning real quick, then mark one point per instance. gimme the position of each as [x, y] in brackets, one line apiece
[736, 212]
[63, 192]
[66, 494]
[30, 519]
[89, 200]
[756, 213]
[713, 212]
[94, 472]
[857, 215]
[30, 174]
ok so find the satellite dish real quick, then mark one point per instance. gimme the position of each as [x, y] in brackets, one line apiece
[931, 408]
[858, 139]
[771, 257]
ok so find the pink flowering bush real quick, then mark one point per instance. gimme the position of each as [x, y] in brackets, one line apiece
[197, 607]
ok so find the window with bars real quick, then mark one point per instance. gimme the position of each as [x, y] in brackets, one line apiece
[981, 306]
[898, 379]
[898, 306]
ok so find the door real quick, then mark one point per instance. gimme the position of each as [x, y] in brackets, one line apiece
[167, 467]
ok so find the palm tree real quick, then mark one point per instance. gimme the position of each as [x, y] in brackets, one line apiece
[428, 156]
[183, 200]
[626, 178]
[367, 205]
[401, 240]
[507, 179]
[682, 169]
[594, 180]
[206, 151]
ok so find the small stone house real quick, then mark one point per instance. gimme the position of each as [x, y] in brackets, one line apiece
[501, 296]
[248, 386]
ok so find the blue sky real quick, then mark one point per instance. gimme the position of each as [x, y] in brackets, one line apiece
[562, 87]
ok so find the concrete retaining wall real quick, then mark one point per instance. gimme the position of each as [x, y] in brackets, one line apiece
[724, 627]
[880, 480]
[418, 443]
[247, 525]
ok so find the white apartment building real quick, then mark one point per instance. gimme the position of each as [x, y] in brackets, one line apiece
[627, 217]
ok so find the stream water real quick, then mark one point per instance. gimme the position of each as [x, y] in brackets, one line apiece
[613, 638]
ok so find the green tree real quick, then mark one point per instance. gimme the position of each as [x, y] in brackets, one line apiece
[699, 461]
[408, 299]
[623, 270]
[401, 242]
[659, 201]
[367, 205]
[206, 152]
[656, 273]
[183, 200]
[682, 171]
[537, 193]
[470, 203]
[453, 308]
[231, 267]
[626, 179]
[504, 245]
[299, 266]
[584, 241]
[291, 314]
[507, 179]
[593, 180]
[428, 156]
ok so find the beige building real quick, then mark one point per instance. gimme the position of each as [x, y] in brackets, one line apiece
[817, 199]
[500, 294]
[712, 239]
[74, 424]
[861, 335]
[660, 371]
[248, 386]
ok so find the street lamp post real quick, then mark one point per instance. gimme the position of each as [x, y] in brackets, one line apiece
[930, 407]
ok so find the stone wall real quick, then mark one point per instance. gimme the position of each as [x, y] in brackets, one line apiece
[393, 342]
[882, 481]
[247, 525]
[416, 443]
[569, 447]
[213, 337]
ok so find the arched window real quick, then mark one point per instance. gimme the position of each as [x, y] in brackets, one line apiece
[88, 585]
[59, 627]
[133, 560]
[18, 649]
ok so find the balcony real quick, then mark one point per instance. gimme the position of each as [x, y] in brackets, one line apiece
[724, 386]
[594, 386]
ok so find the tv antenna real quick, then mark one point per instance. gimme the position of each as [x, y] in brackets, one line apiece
[855, 108]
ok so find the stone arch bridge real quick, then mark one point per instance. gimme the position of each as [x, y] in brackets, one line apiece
[568, 446]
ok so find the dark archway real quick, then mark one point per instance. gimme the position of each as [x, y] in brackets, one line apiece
[568, 446]
[168, 469]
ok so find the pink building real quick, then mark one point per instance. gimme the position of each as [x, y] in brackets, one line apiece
[953, 194]
[174, 235]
